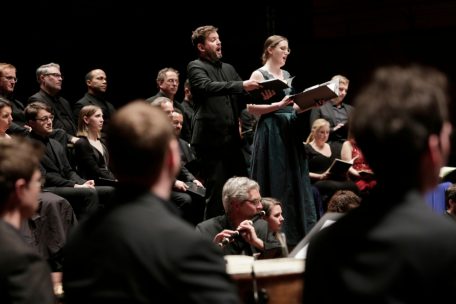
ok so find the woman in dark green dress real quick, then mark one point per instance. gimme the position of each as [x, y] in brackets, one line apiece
[279, 163]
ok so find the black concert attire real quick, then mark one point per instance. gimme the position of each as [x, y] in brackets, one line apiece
[91, 163]
[137, 242]
[213, 226]
[216, 89]
[25, 276]
[106, 107]
[61, 178]
[63, 116]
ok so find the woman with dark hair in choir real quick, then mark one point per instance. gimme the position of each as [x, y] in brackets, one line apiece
[91, 155]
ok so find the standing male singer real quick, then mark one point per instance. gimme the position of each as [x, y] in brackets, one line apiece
[217, 90]
[247, 235]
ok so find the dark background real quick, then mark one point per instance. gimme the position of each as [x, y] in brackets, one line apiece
[131, 41]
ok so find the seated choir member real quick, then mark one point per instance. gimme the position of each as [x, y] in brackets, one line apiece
[320, 157]
[91, 155]
[60, 178]
[47, 229]
[360, 172]
[193, 212]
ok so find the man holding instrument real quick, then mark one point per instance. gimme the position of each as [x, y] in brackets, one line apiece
[240, 230]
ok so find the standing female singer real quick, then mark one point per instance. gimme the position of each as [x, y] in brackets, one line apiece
[279, 162]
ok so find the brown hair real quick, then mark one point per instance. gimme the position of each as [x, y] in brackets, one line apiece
[200, 34]
[88, 111]
[268, 203]
[343, 201]
[271, 42]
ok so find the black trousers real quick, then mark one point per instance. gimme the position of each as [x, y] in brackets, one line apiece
[85, 200]
[218, 164]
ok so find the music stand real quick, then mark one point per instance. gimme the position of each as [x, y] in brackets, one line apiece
[327, 219]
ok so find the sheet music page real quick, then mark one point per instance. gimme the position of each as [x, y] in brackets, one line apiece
[303, 252]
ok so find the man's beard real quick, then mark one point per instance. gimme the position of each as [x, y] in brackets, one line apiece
[213, 56]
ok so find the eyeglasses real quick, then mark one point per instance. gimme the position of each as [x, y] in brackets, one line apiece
[56, 75]
[285, 49]
[256, 202]
[10, 78]
[45, 118]
[173, 81]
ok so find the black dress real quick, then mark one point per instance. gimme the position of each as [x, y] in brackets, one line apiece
[279, 165]
[319, 163]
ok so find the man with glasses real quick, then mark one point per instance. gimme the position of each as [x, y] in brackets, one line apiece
[168, 84]
[50, 79]
[61, 179]
[8, 81]
[239, 230]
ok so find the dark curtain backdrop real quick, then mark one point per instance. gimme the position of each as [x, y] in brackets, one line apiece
[133, 40]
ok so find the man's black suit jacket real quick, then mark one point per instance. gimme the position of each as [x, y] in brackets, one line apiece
[391, 249]
[24, 276]
[138, 251]
[63, 116]
[217, 90]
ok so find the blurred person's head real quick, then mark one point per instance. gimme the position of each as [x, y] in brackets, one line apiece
[20, 177]
[342, 201]
[143, 148]
[450, 199]
[401, 124]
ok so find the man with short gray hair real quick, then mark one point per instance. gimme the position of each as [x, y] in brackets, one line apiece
[239, 230]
